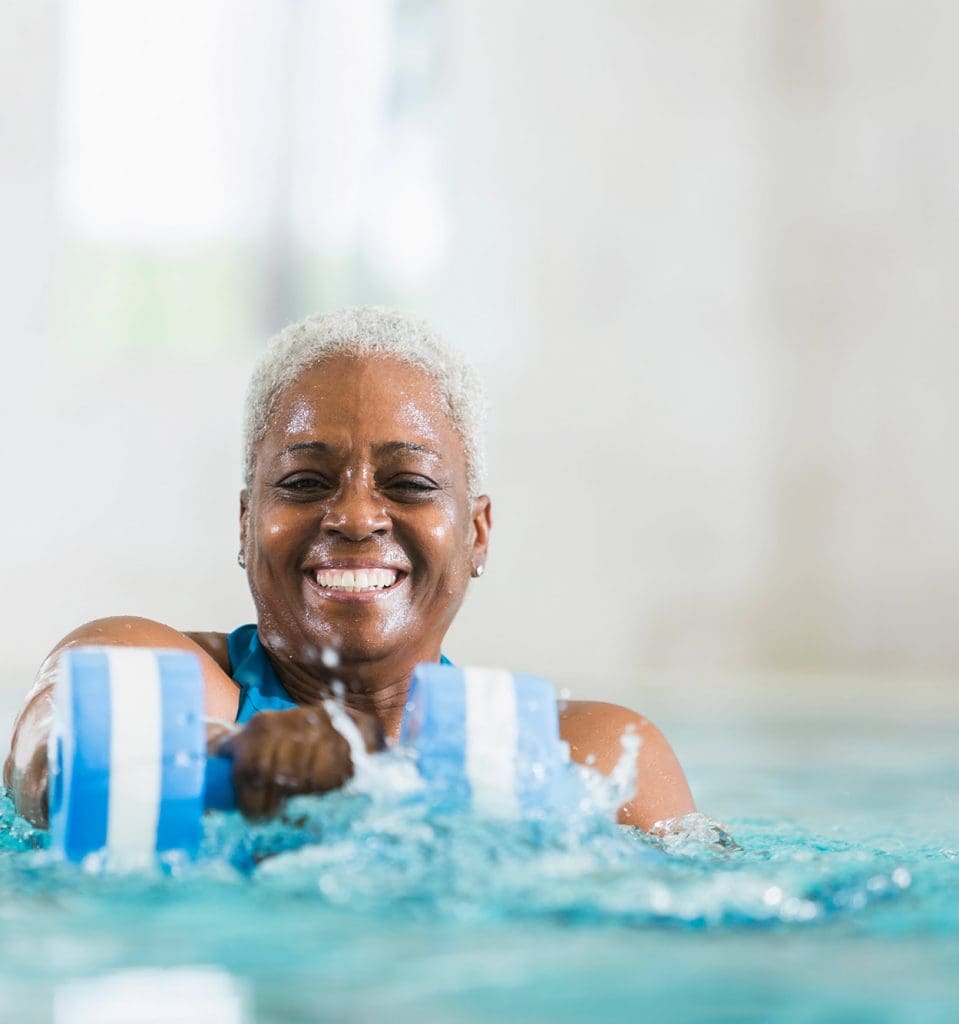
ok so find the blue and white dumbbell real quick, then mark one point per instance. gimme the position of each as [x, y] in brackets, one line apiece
[129, 771]
[484, 738]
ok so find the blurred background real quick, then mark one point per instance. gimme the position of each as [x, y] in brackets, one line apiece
[702, 253]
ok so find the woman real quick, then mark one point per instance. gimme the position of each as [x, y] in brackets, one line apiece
[362, 521]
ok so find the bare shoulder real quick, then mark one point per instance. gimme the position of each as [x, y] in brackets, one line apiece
[594, 731]
[222, 694]
[215, 644]
[25, 768]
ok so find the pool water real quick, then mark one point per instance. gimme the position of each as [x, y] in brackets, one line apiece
[838, 901]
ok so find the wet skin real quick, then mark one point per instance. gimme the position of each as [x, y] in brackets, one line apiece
[360, 468]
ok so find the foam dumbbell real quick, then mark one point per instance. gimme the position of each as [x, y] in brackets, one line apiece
[129, 771]
[485, 738]
[127, 753]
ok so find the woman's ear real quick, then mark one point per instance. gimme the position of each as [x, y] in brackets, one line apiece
[482, 518]
[244, 512]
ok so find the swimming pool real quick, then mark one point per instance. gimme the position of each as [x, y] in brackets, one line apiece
[842, 905]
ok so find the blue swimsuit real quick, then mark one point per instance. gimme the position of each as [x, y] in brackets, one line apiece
[260, 687]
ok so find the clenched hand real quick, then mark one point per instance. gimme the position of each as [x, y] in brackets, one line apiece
[279, 754]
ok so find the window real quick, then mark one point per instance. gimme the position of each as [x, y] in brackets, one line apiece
[228, 166]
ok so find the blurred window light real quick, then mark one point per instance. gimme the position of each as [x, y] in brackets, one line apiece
[229, 165]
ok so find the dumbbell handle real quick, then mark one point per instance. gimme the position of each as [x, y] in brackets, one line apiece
[218, 791]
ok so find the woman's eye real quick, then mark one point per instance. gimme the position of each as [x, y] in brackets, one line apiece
[410, 486]
[302, 484]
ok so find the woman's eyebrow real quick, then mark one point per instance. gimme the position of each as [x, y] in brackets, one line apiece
[388, 447]
[385, 448]
[308, 446]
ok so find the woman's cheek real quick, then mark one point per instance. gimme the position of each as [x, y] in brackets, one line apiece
[277, 529]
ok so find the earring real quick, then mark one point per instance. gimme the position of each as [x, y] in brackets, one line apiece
[478, 571]
[241, 560]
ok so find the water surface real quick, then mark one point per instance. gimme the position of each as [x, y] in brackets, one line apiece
[840, 900]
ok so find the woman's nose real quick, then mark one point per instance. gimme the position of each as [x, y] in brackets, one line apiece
[356, 513]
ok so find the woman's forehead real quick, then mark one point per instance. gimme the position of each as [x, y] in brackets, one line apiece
[349, 400]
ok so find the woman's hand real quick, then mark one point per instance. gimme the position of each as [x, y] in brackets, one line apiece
[279, 754]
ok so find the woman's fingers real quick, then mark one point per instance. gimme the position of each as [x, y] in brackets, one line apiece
[254, 759]
[284, 753]
[330, 764]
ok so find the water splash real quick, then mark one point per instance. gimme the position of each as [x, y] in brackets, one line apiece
[692, 834]
[588, 792]
[383, 848]
[385, 776]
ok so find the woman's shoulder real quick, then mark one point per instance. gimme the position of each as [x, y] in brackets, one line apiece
[599, 734]
[215, 644]
[134, 631]
[595, 729]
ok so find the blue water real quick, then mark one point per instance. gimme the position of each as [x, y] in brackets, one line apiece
[839, 899]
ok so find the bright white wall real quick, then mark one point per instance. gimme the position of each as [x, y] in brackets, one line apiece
[702, 254]
[724, 235]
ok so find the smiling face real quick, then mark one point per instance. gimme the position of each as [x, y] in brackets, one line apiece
[358, 529]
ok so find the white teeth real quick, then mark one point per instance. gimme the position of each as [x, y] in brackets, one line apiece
[362, 579]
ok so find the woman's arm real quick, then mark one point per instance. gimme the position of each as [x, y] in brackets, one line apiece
[276, 755]
[25, 769]
[595, 733]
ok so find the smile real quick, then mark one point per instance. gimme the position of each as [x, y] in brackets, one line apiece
[359, 583]
[355, 580]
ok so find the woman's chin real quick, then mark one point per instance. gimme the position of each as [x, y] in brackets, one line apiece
[361, 635]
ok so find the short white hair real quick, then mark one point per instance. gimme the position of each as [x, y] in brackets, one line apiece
[368, 331]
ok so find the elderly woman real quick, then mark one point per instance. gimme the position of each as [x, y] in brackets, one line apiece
[362, 522]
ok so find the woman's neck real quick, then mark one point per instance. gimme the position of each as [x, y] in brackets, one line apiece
[374, 688]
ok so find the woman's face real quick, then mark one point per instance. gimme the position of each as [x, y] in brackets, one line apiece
[358, 529]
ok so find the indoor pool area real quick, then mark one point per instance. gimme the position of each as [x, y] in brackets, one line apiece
[832, 894]
[442, 430]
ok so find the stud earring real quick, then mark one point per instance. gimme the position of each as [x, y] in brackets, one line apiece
[241, 560]
[478, 571]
